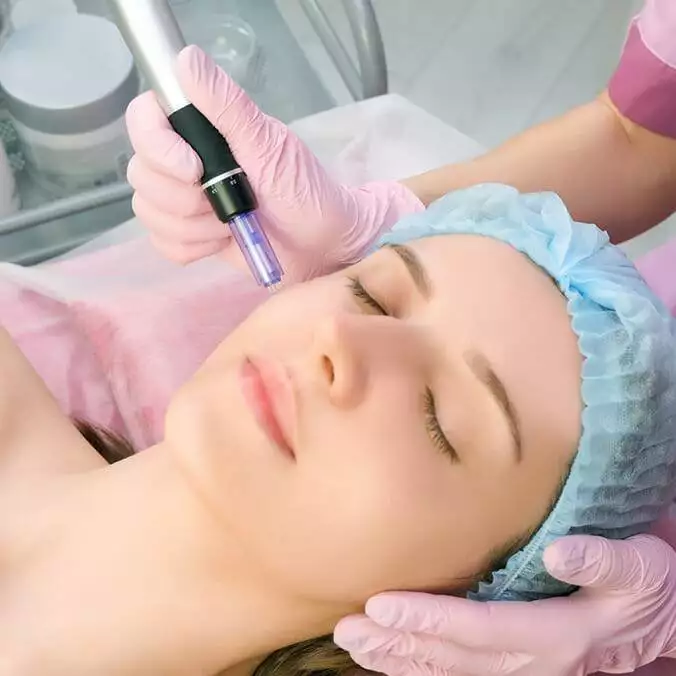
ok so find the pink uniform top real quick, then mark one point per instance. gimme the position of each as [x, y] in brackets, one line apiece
[644, 85]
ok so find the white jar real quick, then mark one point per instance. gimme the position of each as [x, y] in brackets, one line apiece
[67, 82]
[25, 12]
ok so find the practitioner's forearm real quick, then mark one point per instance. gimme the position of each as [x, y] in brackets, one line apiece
[608, 170]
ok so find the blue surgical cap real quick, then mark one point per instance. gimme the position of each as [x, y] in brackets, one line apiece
[624, 472]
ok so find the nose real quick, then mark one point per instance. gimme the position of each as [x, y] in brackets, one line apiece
[340, 359]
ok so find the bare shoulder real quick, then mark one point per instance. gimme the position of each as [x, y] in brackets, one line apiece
[35, 435]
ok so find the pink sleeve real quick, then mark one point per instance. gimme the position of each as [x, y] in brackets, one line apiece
[644, 85]
[663, 667]
[657, 268]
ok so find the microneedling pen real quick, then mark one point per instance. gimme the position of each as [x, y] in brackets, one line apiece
[151, 32]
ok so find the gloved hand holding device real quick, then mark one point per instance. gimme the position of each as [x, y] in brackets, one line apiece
[314, 223]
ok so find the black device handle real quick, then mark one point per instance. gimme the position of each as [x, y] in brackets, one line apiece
[231, 196]
[205, 140]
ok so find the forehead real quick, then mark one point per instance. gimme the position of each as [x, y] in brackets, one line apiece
[491, 290]
[471, 269]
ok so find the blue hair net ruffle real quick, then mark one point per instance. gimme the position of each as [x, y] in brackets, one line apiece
[624, 473]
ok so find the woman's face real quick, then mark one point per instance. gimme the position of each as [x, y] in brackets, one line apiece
[391, 426]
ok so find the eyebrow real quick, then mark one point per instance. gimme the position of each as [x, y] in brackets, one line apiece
[484, 371]
[415, 268]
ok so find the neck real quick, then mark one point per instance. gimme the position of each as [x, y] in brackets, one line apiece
[193, 601]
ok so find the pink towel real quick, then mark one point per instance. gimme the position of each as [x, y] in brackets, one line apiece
[659, 269]
[114, 333]
[48, 335]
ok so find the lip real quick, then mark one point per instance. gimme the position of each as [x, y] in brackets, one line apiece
[267, 389]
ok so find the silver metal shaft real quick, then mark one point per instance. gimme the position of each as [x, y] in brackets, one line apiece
[152, 33]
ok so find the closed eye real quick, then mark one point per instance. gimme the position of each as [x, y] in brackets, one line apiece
[361, 294]
[432, 425]
[434, 428]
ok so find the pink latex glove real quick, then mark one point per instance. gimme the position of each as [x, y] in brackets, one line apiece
[314, 223]
[623, 617]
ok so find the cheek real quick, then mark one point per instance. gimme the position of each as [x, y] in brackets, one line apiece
[286, 323]
[366, 512]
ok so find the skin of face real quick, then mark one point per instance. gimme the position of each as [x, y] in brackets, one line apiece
[387, 427]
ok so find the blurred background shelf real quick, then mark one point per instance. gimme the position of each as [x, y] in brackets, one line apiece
[287, 87]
